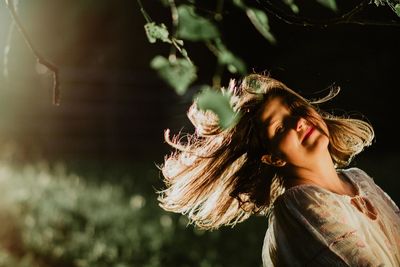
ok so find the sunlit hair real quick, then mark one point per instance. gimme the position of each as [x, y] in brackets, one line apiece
[215, 176]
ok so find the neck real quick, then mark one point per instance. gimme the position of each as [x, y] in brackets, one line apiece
[323, 175]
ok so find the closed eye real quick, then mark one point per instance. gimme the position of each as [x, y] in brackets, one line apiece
[279, 129]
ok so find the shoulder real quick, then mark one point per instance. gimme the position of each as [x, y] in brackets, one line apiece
[360, 177]
[304, 194]
[356, 172]
[306, 210]
[307, 204]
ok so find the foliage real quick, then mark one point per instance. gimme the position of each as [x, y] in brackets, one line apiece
[193, 27]
[397, 9]
[52, 218]
[210, 99]
[178, 73]
[191, 23]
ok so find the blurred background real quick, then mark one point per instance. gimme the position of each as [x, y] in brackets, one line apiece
[78, 180]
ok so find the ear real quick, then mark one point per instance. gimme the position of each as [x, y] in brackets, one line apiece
[274, 161]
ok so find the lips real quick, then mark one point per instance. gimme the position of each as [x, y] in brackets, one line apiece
[309, 131]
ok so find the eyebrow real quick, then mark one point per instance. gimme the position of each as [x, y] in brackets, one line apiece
[272, 122]
[269, 123]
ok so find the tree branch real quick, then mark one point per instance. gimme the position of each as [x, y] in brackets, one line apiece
[7, 48]
[175, 22]
[343, 19]
[144, 13]
[39, 58]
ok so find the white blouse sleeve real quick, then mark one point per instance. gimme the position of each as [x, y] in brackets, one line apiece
[388, 200]
[308, 227]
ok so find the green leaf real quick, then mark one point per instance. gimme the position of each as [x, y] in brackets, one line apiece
[184, 52]
[239, 3]
[233, 63]
[255, 84]
[179, 42]
[220, 104]
[154, 32]
[380, 2]
[179, 74]
[294, 8]
[292, 5]
[397, 9]
[260, 21]
[194, 27]
[331, 4]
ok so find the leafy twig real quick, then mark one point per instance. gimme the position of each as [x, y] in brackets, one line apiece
[175, 22]
[218, 10]
[343, 19]
[144, 13]
[39, 58]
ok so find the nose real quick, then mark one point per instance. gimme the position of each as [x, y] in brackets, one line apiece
[300, 124]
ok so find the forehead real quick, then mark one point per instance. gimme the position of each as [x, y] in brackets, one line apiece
[271, 108]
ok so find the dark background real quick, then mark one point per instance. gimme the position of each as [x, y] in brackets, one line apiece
[114, 108]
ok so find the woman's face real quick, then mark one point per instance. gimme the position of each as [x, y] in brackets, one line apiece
[291, 138]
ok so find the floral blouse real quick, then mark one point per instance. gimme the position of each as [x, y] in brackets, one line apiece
[312, 226]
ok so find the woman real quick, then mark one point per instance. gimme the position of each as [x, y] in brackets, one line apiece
[284, 158]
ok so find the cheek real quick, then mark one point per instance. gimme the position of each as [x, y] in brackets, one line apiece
[287, 145]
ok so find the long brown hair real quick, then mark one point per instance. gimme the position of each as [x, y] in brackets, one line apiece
[215, 176]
